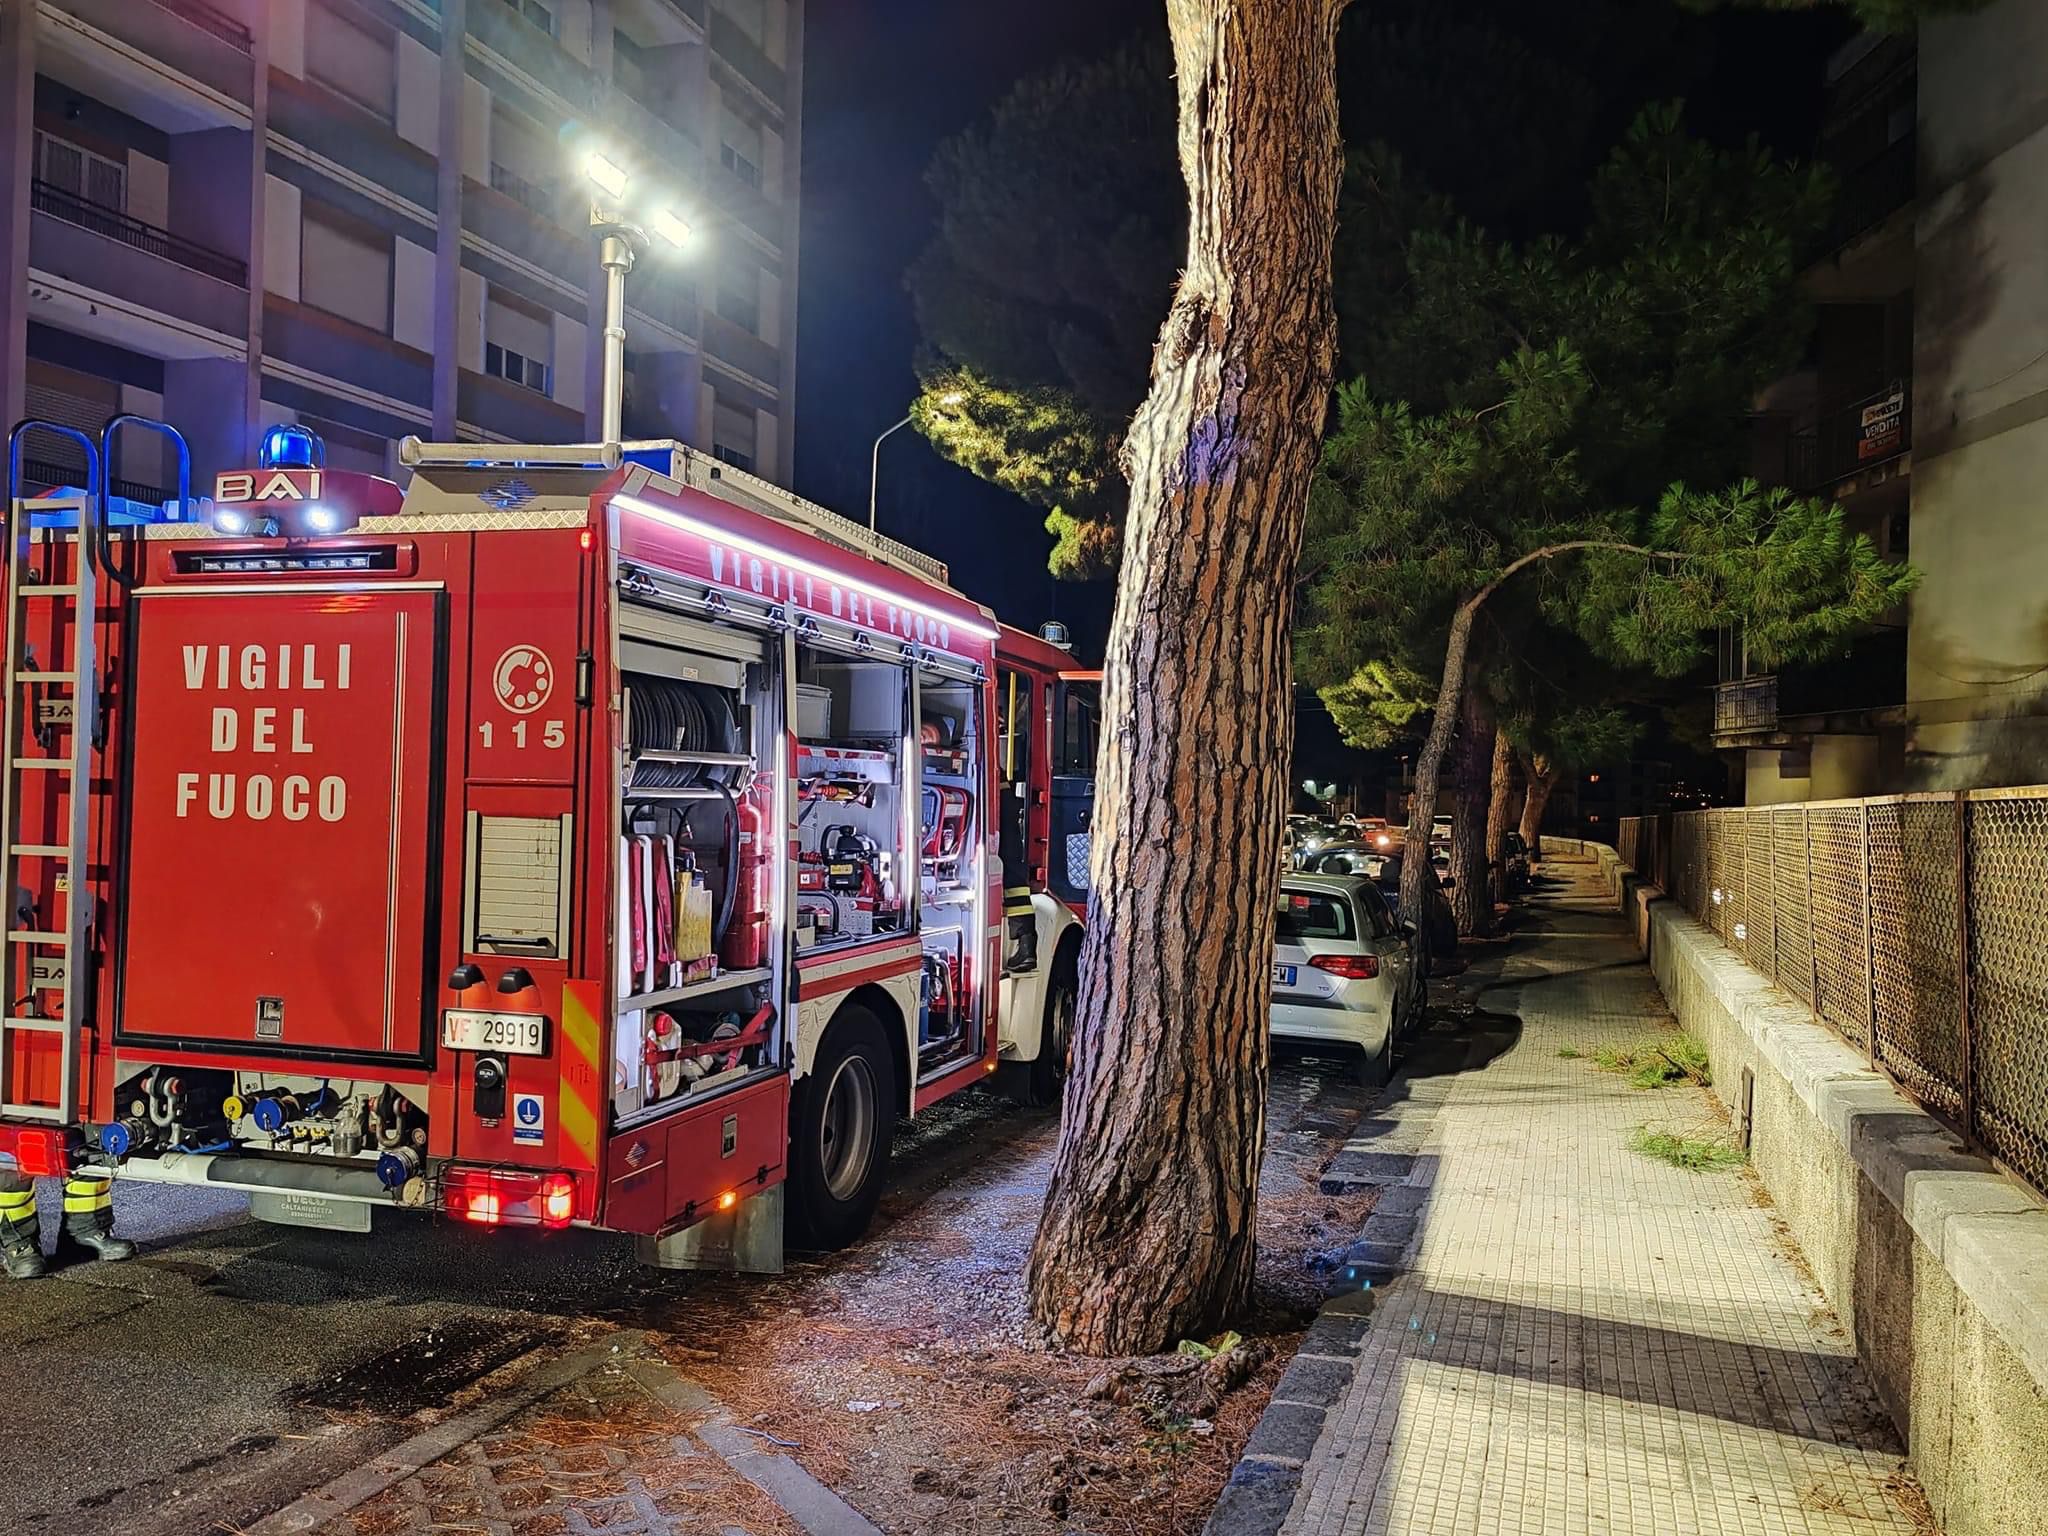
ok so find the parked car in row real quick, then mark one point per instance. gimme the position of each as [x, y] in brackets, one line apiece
[1347, 974]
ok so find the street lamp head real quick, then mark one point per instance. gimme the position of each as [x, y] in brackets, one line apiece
[671, 226]
[605, 173]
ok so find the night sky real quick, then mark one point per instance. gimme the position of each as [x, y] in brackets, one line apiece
[887, 80]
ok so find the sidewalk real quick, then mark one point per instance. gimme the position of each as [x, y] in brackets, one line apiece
[1568, 1336]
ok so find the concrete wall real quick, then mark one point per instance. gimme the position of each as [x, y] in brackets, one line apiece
[1845, 767]
[1977, 642]
[1936, 1263]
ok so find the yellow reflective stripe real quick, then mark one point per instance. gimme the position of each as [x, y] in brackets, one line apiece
[85, 1203]
[10, 1198]
[88, 1186]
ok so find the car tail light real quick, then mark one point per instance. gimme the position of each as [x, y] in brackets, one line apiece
[42, 1154]
[1350, 967]
[511, 1197]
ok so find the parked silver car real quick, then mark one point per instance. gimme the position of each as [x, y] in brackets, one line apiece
[1345, 973]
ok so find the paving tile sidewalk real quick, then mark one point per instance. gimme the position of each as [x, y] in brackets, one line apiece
[1565, 1336]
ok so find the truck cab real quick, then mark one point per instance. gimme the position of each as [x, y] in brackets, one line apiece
[1047, 711]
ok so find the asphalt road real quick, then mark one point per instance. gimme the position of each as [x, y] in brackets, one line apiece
[234, 1365]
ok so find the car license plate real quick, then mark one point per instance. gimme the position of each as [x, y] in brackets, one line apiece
[1283, 975]
[515, 1034]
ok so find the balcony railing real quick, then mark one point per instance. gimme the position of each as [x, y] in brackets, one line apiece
[207, 19]
[48, 198]
[1746, 706]
[1871, 192]
[529, 195]
[1834, 443]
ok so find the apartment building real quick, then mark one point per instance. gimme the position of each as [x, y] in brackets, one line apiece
[1924, 411]
[363, 215]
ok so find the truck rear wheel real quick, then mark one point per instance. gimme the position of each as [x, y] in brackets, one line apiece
[1056, 1041]
[843, 1121]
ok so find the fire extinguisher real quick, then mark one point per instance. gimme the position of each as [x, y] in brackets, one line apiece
[746, 936]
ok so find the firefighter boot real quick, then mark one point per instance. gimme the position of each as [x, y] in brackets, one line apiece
[1023, 929]
[20, 1243]
[89, 1221]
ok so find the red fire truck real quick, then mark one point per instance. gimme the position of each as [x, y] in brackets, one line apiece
[585, 837]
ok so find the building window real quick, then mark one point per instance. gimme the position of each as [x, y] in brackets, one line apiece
[345, 267]
[350, 61]
[74, 169]
[535, 14]
[739, 147]
[519, 342]
[732, 436]
[739, 298]
[504, 363]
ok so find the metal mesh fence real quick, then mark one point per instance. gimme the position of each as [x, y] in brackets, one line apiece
[2006, 878]
[1914, 937]
[1792, 901]
[1915, 926]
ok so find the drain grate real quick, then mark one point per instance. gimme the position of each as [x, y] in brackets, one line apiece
[424, 1372]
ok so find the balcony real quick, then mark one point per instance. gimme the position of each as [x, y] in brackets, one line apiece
[513, 411]
[742, 349]
[350, 135]
[184, 37]
[535, 199]
[744, 57]
[152, 269]
[500, 27]
[1746, 707]
[335, 348]
[1829, 444]
[1870, 193]
[115, 225]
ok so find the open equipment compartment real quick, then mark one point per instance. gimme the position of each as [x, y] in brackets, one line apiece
[699, 776]
[951, 881]
[852, 774]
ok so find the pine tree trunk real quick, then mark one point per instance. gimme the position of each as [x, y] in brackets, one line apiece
[1498, 813]
[1147, 1233]
[1471, 789]
[1542, 780]
[1418, 880]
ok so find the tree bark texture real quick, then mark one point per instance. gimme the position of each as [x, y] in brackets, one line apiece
[1499, 798]
[1471, 791]
[1542, 775]
[1416, 873]
[1147, 1234]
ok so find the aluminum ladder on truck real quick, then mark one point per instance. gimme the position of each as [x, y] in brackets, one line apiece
[67, 973]
[26, 724]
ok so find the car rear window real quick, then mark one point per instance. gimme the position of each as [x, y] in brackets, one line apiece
[1313, 915]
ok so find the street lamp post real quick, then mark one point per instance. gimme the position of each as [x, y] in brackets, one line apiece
[875, 469]
[615, 255]
[623, 228]
[951, 397]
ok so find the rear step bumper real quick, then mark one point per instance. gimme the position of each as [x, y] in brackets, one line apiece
[255, 1175]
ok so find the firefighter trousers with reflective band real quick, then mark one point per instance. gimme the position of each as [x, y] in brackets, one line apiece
[1023, 927]
[18, 1204]
[89, 1204]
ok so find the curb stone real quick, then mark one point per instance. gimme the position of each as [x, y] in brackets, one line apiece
[1385, 1153]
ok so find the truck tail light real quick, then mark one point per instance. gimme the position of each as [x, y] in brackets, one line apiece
[39, 1153]
[510, 1197]
[1350, 967]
